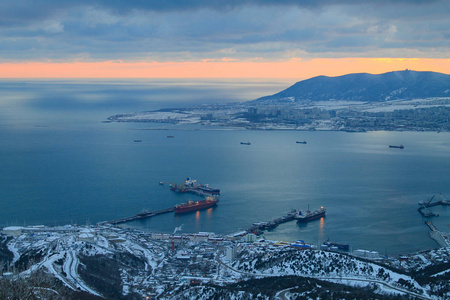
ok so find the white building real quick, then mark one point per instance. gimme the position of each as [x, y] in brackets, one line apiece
[13, 230]
[366, 253]
[86, 237]
[230, 253]
[250, 238]
[160, 236]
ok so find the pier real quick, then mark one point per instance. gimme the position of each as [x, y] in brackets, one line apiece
[274, 223]
[425, 212]
[440, 237]
[190, 186]
[141, 215]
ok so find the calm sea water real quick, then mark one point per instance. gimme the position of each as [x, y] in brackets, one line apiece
[59, 164]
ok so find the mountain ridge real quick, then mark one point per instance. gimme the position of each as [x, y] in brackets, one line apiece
[367, 87]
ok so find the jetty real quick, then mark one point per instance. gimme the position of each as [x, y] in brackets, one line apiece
[142, 215]
[425, 212]
[190, 186]
[259, 226]
[440, 237]
[193, 187]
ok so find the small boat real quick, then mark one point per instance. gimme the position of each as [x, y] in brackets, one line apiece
[298, 142]
[245, 143]
[395, 146]
[170, 136]
[137, 141]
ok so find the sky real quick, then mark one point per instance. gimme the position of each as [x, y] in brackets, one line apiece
[221, 39]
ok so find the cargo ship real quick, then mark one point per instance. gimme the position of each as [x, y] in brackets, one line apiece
[196, 205]
[192, 186]
[399, 147]
[306, 216]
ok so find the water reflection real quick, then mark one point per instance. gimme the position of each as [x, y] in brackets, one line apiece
[197, 218]
[321, 229]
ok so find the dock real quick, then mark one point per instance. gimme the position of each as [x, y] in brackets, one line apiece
[141, 215]
[190, 186]
[259, 226]
[425, 212]
[440, 237]
[193, 187]
[436, 203]
[430, 202]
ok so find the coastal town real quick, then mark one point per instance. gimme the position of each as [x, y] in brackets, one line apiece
[354, 116]
[122, 263]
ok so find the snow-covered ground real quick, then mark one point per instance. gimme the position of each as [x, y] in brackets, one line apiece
[319, 115]
[148, 266]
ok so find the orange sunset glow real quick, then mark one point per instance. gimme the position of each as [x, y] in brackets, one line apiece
[295, 68]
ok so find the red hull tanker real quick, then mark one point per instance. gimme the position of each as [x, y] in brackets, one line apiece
[196, 205]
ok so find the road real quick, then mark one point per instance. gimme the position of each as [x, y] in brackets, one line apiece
[282, 293]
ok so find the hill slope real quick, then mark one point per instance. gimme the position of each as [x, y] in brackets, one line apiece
[365, 87]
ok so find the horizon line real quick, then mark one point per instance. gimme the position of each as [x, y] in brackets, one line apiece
[288, 69]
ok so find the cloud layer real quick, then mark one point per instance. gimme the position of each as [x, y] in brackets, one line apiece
[102, 30]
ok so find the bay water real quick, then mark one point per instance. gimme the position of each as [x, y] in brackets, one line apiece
[59, 164]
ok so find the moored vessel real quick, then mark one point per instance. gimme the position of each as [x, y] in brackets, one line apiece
[306, 216]
[196, 205]
[192, 186]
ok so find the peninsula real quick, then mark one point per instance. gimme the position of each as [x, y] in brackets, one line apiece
[401, 101]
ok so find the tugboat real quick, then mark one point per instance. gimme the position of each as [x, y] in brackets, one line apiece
[306, 216]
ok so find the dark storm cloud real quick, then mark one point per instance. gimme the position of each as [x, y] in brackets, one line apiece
[192, 30]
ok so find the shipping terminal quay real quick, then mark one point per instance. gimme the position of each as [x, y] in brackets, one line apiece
[301, 216]
[211, 199]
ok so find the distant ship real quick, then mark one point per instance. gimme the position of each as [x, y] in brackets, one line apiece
[192, 186]
[137, 141]
[196, 205]
[399, 147]
[170, 136]
[245, 143]
[298, 142]
[306, 216]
